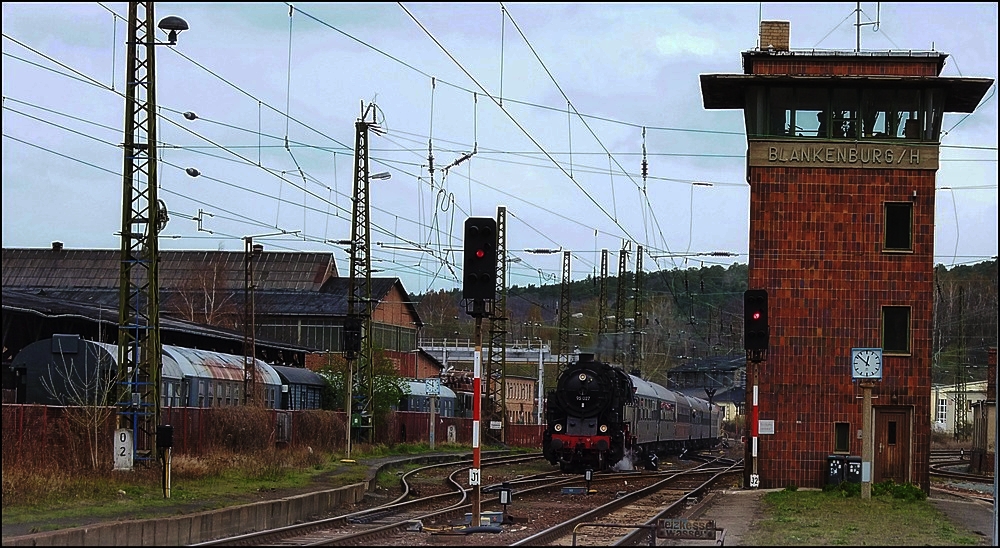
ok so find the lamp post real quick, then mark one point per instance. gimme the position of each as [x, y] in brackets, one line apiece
[251, 252]
[541, 392]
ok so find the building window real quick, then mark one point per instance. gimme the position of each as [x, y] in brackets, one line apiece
[898, 226]
[841, 437]
[942, 410]
[896, 329]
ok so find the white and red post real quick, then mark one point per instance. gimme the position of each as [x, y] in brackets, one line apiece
[477, 395]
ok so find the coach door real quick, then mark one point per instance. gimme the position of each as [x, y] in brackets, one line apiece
[892, 445]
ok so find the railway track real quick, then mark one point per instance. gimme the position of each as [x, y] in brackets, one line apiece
[368, 525]
[412, 520]
[615, 523]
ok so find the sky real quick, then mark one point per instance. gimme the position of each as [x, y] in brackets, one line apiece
[545, 109]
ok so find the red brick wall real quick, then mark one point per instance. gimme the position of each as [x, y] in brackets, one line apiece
[815, 246]
[826, 66]
[392, 309]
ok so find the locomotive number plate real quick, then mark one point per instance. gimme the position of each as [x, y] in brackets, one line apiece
[686, 528]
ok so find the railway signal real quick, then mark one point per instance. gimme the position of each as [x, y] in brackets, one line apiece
[480, 253]
[755, 330]
[353, 328]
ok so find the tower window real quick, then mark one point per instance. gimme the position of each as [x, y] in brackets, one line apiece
[898, 226]
[896, 329]
[842, 437]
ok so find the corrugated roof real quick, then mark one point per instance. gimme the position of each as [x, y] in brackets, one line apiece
[100, 268]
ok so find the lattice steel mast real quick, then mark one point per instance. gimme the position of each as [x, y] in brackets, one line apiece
[602, 303]
[620, 300]
[139, 351]
[635, 348]
[359, 302]
[562, 347]
[496, 364]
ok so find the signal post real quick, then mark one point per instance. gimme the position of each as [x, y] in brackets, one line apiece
[479, 293]
[756, 338]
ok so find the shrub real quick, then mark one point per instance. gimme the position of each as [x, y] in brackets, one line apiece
[908, 492]
[905, 491]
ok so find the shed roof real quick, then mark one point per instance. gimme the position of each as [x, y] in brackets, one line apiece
[299, 375]
[729, 91]
[104, 309]
[100, 268]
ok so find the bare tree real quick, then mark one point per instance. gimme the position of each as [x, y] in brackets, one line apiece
[210, 296]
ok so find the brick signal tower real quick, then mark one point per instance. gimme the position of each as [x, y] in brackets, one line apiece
[841, 161]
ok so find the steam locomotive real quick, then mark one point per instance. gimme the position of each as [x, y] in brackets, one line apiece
[599, 417]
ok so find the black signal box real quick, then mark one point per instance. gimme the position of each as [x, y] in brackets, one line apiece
[479, 277]
[755, 331]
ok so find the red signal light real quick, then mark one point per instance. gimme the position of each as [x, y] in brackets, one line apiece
[480, 253]
[756, 315]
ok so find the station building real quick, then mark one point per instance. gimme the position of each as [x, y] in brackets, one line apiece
[841, 161]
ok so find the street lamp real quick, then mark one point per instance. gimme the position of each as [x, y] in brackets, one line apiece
[173, 25]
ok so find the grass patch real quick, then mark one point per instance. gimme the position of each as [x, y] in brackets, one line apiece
[894, 516]
[60, 497]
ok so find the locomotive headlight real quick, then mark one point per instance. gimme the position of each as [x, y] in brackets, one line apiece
[583, 377]
[558, 427]
[604, 428]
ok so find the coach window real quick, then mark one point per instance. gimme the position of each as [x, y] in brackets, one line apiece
[841, 437]
[896, 329]
[898, 226]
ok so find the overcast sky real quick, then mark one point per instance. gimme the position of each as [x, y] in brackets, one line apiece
[586, 89]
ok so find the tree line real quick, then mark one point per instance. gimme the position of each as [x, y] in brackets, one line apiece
[698, 312]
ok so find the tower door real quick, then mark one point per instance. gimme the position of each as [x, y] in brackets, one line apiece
[892, 445]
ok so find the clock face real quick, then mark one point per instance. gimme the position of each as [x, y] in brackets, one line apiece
[866, 363]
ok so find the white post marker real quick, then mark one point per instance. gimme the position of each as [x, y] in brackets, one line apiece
[123, 449]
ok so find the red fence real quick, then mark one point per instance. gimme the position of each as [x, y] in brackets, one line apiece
[36, 431]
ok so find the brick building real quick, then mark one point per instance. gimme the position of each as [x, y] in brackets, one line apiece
[841, 161]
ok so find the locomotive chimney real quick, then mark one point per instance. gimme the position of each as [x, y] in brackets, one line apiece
[586, 356]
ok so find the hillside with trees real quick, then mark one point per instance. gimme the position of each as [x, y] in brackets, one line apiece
[698, 312]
